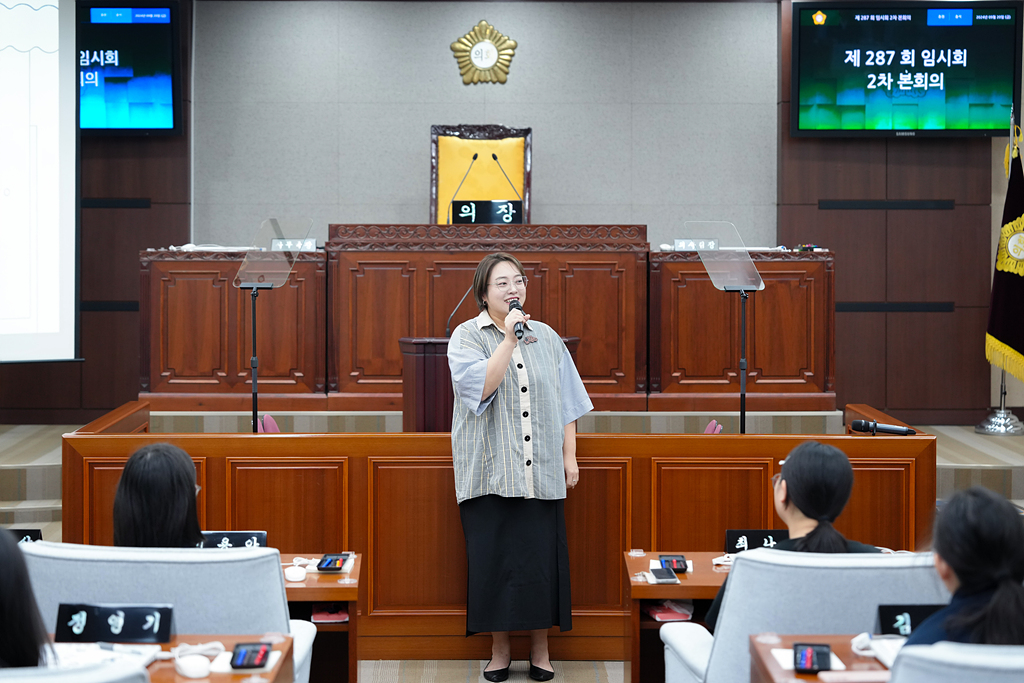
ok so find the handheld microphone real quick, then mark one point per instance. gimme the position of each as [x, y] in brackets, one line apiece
[460, 187]
[875, 427]
[495, 157]
[448, 325]
[519, 326]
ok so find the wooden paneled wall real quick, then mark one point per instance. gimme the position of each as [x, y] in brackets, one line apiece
[391, 497]
[135, 193]
[383, 283]
[388, 282]
[910, 223]
[197, 332]
[695, 335]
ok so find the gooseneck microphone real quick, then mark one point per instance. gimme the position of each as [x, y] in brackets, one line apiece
[519, 326]
[448, 325]
[460, 187]
[875, 427]
[495, 157]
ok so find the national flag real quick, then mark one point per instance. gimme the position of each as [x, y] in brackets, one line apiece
[1004, 341]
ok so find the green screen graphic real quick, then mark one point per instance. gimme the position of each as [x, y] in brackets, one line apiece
[894, 68]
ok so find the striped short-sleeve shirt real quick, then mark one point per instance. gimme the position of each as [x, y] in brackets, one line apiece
[510, 443]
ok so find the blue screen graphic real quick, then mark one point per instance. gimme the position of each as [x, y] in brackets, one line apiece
[950, 17]
[125, 59]
[129, 15]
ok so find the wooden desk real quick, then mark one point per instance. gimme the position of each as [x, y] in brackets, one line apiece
[764, 668]
[327, 587]
[390, 497]
[700, 584]
[162, 671]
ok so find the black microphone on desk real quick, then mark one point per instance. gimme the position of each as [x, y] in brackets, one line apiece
[459, 188]
[875, 427]
[448, 325]
[514, 304]
[495, 157]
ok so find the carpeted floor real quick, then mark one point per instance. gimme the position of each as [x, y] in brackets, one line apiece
[471, 671]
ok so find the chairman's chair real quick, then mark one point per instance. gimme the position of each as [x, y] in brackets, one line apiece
[795, 593]
[949, 662]
[230, 592]
[106, 672]
[451, 152]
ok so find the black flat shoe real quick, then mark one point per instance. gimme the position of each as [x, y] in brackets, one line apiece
[498, 675]
[539, 674]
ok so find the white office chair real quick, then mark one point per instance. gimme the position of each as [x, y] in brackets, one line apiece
[958, 662]
[107, 672]
[801, 593]
[238, 592]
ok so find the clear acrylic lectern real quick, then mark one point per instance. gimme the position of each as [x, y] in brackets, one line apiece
[727, 261]
[267, 265]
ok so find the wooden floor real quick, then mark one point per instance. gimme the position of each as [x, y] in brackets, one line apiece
[442, 671]
[30, 495]
[965, 459]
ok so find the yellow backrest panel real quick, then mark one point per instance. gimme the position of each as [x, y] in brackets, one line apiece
[485, 181]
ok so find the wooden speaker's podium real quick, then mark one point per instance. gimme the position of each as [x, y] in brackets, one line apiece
[427, 394]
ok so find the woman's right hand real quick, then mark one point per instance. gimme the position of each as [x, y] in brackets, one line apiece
[514, 316]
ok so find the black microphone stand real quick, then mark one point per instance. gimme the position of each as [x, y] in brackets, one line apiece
[460, 187]
[744, 295]
[254, 362]
[448, 325]
[495, 157]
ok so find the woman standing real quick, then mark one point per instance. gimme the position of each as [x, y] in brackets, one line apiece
[514, 449]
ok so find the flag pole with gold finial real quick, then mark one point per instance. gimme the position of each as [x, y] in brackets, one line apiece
[1003, 422]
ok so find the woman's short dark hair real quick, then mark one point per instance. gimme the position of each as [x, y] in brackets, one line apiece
[24, 640]
[483, 274]
[980, 535]
[155, 504]
[819, 479]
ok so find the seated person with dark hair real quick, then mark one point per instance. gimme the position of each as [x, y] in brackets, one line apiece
[979, 555]
[155, 503]
[810, 492]
[23, 639]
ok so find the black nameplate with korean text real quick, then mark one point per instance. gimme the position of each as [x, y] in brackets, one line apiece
[738, 540]
[234, 539]
[487, 212]
[901, 620]
[81, 623]
[27, 535]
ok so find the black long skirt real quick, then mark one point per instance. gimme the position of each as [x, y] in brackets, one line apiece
[518, 560]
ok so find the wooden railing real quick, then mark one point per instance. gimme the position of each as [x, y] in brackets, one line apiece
[391, 497]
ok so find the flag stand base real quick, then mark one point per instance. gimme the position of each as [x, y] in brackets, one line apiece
[1001, 423]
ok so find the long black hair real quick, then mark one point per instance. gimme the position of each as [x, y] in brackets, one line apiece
[819, 479]
[23, 639]
[155, 504]
[980, 535]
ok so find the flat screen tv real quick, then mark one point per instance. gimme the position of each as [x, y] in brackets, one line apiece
[905, 69]
[128, 70]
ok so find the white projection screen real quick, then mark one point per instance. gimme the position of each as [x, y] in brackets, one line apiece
[38, 207]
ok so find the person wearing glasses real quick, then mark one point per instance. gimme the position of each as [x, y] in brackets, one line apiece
[810, 492]
[514, 450]
[155, 503]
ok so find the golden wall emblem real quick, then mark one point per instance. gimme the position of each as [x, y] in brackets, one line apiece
[484, 55]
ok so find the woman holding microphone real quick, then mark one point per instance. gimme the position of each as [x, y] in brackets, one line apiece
[514, 450]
